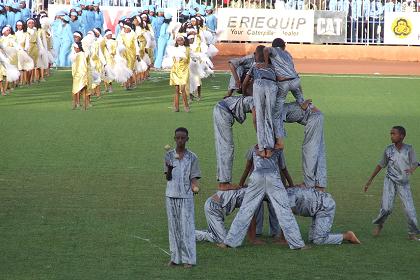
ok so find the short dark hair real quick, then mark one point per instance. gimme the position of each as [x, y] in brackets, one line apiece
[278, 43]
[260, 51]
[181, 129]
[401, 130]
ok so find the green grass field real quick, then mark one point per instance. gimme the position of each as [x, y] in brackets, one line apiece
[79, 189]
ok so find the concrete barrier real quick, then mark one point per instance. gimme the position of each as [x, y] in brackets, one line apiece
[342, 52]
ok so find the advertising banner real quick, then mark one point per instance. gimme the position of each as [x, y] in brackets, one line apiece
[330, 27]
[402, 28]
[264, 25]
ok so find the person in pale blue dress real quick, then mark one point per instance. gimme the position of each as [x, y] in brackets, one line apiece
[389, 6]
[25, 12]
[56, 28]
[99, 17]
[291, 5]
[18, 14]
[74, 22]
[81, 13]
[190, 4]
[3, 19]
[332, 5]
[90, 17]
[164, 37]
[173, 4]
[152, 14]
[300, 5]
[211, 20]
[66, 43]
[119, 26]
[80, 19]
[185, 15]
[157, 24]
[10, 15]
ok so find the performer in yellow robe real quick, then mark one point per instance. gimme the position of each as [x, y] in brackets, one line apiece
[128, 40]
[9, 44]
[80, 73]
[141, 41]
[33, 48]
[97, 61]
[109, 49]
[179, 76]
[25, 62]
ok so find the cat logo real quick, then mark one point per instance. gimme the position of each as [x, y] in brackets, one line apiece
[402, 27]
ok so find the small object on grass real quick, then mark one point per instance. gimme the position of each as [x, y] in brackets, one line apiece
[167, 147]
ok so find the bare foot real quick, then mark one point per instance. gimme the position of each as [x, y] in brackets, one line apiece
[222, 245]
[306, 247]
[351, 237]
[280, 241]
[187, 265]
[377, 230]
[257, 242]
[171, 264]
[413, 237]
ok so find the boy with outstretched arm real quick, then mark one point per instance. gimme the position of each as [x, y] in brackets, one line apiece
[400, 160]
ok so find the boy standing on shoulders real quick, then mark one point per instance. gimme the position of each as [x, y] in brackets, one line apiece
[400, 160]
[182, 173]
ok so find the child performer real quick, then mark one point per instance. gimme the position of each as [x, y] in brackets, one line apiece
[265, 94]
[288, 80]
[80, 75]
[314, 163]
[320, 206]
[179, 76]
[127, 40]
[182, 173]
[400, 160]
[216, 208]
[265, 180]
[259, 215]
[225, 113]
[109, 51]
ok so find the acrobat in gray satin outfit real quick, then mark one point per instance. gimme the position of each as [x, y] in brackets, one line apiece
[265, 180]
[397, 181]
[216, 208]
[180, 206]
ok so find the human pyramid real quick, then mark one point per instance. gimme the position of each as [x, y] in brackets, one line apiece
[271, 72]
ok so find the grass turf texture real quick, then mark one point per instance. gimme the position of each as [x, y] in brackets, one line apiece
[78, 188]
